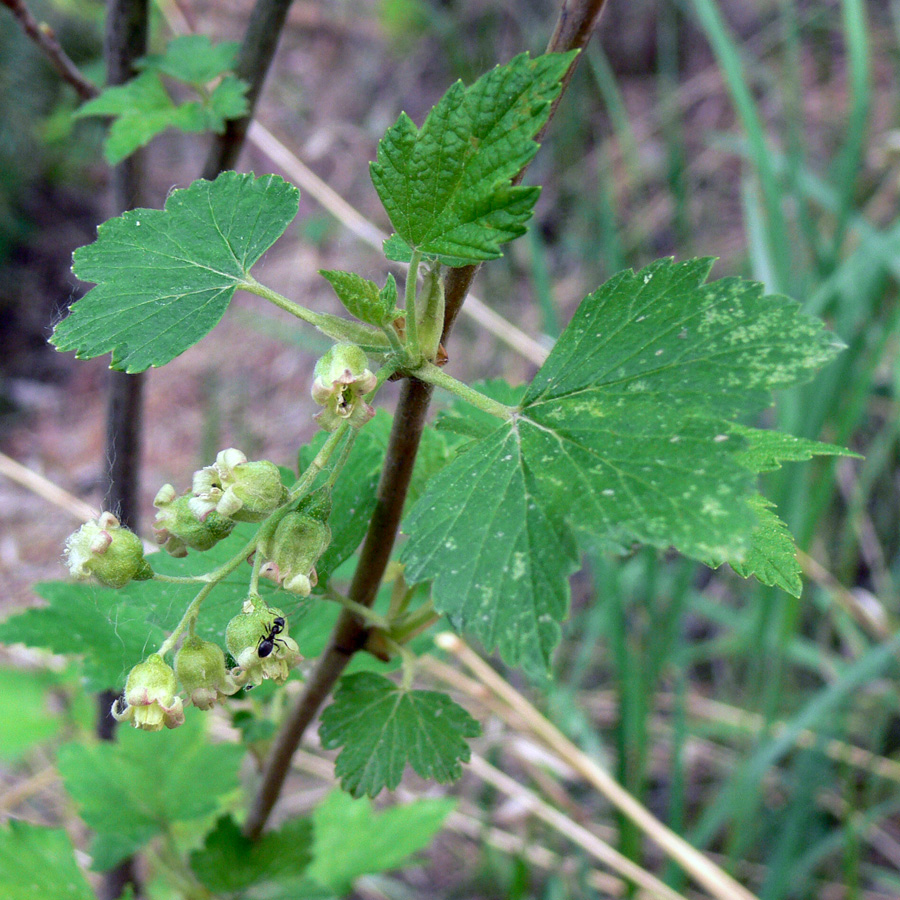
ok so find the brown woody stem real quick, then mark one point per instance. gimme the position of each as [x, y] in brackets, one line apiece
[574, 26]
[45, 38]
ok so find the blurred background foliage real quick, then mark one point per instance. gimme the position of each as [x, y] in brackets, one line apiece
[763, 728]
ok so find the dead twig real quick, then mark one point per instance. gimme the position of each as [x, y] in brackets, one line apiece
[45, 38]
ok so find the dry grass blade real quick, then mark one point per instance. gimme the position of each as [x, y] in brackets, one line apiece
[714, 879]
[475, 828]
[849, 754]
[872, 617]
[45, 488]
[576, 833]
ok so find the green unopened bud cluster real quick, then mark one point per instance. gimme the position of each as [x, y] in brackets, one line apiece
[233, 489]
[237, 489]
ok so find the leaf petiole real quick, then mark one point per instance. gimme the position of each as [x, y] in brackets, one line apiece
[433, 375]
[335, 327]
[370, 617]
[408, 660]
[415, 623]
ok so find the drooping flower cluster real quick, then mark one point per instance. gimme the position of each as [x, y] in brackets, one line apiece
[257, 638]
[231, 490]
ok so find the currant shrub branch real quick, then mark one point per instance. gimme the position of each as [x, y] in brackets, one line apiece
[293, 521]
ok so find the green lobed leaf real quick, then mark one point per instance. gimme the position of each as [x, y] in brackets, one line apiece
[142, 94]
[765, 450]
[165, 277]
[381, 728]
[227, 101]
[25, 716]
[363, 298]
[228, 862]
[771, 557]
[771, 554]
[134, 789]
[86, 620]
[623, 434]
[193, 58]
[38, 863]
[143, 109]
[381, 840]
[447, 187]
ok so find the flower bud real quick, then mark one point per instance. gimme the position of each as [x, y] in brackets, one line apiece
[108, 551]
[177, 528]
[293, 550]
[150, 700]
[258, 640]
[200, 667]
[237, 489]
[430, 312]
[341, 380]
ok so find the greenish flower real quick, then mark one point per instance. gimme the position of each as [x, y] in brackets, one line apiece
[113, 554]
[238, 489]
[150, 701]
[341, 381]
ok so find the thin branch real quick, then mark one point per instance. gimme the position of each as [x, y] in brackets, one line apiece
[45, 39]
[350, 634]
[125, 41]
[257, 51]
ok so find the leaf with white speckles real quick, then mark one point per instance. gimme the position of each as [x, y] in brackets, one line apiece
[624, 434]
[771, 555]
[165, 277]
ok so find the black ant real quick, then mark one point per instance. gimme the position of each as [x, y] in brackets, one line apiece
[267, 642]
